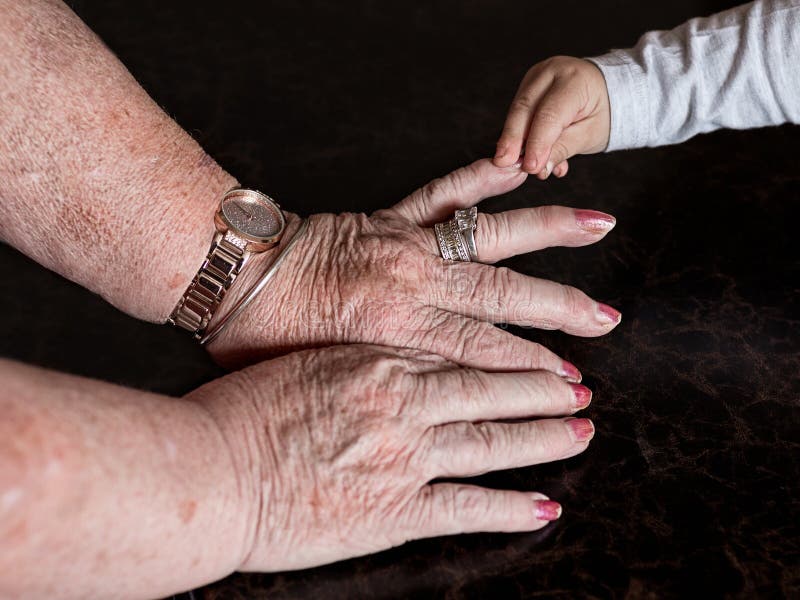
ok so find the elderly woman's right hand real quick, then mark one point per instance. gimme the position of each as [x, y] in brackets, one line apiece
[335, 449]
[379, 279]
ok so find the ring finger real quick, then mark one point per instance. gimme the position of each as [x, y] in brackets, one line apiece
[502, 235]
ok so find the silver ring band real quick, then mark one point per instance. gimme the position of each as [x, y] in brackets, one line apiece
[467, 221]
[451, 243]
[456, 237]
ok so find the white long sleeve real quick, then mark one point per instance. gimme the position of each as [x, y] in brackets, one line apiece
[737, 69]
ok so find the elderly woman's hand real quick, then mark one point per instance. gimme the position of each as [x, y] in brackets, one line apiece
[380, 279]
[335, 449]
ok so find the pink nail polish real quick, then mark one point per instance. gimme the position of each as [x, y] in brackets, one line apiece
[594, 221]
[570, 372]
[583, 396]
[582, 429]
[606, 314]
[547, 510]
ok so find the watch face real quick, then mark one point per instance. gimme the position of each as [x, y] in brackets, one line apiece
[252, 214]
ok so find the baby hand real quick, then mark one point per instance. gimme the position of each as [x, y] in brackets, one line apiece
[561, 109]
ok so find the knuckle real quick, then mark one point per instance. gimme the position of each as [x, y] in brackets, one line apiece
[487, 341]
[541, 68]
[546, 218]
[559, 152]
[475, 341]
[423, 513]
[460, 178]
[433, 190]
[547, 115]
[389, 371]
[522, 103]
[555, 389]
[539, 355]
[475, 385]
[511, 134]
[468, 501]
[548, 445]
[499, 280]
[484, 436]
[574, 302]
[565, 65]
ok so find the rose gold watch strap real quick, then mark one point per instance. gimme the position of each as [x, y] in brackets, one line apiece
[222, 264]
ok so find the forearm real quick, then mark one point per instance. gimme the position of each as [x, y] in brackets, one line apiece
[96, 182]
[736, 70]
[109, 492]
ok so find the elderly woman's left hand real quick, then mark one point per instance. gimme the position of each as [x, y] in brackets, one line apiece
[380, 279]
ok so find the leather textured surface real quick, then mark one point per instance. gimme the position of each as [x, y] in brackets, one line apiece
[690, 486]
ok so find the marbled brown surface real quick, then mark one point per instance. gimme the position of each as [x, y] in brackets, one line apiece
[691, 484]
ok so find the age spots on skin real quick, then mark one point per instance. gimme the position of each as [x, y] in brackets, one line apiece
[87, 223]
[186, 510]
[177, 280]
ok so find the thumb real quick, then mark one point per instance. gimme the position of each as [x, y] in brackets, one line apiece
[575, 139]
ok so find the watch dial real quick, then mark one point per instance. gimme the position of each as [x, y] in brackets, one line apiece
[252, 215]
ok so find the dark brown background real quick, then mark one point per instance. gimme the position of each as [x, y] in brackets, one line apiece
[691, 484]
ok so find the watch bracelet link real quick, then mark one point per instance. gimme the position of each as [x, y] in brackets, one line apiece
[224, 261]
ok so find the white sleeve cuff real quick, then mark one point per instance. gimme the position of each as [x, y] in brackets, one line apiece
[628, 98]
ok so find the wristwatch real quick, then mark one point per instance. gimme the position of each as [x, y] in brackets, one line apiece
[247, 223]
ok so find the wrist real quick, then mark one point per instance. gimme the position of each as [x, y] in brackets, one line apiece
[230, 541]
[185, 222]
[628, 100]
[255, 330]
[239, 440]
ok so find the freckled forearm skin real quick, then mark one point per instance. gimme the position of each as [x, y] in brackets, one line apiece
[96, 182]
[107, 492]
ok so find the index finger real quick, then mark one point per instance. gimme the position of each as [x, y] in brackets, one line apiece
[509, 146]
[558, 109]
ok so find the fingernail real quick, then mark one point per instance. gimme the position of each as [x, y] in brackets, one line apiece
[606, 314]
[570, 372]
[583, 396]
[547, 510]
[582, 429]
[515, 166]
[530, 165]
[500, 152]
[548, 168]
[594, 221]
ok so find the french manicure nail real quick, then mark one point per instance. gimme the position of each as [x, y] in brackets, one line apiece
[547, 510]
[594, 221]
[583, 396]
[582, 429]
[548, 168]
[570, 372]
[606, 314]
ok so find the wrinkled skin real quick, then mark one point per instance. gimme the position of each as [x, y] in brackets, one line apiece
[335, 449]
[380, 279]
